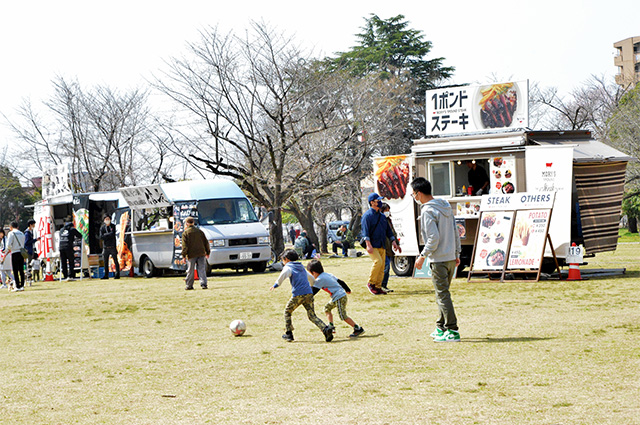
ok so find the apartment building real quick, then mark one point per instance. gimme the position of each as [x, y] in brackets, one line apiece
[627, 60]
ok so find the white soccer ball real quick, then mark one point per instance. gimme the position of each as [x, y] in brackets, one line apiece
[237, 327]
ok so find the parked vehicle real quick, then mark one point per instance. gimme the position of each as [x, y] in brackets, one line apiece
[586, 175]
[222, 211]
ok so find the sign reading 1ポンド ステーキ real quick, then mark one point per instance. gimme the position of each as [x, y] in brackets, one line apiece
[469, 109]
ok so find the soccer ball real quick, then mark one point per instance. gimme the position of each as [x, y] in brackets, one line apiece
[237, 327]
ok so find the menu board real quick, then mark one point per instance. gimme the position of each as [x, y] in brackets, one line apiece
[528, 242]
[493, 240]
[503, 175]
[181, 210]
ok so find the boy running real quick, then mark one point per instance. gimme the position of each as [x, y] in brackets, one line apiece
[338, 291]
[301, 294]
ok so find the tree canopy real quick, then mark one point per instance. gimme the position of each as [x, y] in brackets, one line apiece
[389, 46]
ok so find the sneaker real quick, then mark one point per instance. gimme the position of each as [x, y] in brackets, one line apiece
[357, 332]
[188, 288]
[388, 290]
[385, 290]
[204, 286]
[437, 333]
[15, 289]
[21, 288]
[288, 336]
[372, 289]
[333, 328]
[448, 336]
[328, 333]
[4, 286]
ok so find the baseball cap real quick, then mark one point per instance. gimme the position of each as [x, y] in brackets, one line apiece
[373, 197]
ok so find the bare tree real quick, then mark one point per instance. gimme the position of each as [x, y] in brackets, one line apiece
[263, 113]
[103, 134]
[588, 107]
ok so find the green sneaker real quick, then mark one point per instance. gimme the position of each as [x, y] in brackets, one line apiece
[437, 333]
[448, 336]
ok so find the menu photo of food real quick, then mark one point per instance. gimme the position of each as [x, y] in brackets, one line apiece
[528, 241]
[392, 176]
[502, 175]
[497, 104]
[493, 239]
[468, 208]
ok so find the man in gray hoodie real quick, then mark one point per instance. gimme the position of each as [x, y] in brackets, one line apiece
[442, 246]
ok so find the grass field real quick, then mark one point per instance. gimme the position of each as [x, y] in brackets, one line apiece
[144, 351]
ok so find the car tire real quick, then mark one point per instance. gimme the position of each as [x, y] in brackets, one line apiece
[259, 267]
[148, 268]
[402, 266]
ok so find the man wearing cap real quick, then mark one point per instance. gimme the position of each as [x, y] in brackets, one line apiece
[375, 231]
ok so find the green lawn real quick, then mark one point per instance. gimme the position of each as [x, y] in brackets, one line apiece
[141, 351]
[626, 236]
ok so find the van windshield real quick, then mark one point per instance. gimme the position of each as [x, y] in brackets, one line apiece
[225, 211]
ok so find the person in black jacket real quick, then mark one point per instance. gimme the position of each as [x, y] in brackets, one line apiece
[108, 237]
[68, 234]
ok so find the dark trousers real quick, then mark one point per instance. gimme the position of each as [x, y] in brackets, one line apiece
[113, 253]
[66, 262]
[344, 245]
[17, 263]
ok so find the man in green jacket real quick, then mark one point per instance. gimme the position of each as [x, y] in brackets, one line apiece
[196, 250]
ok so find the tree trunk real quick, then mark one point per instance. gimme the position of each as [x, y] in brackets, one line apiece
[323, 239]
[355, 224]
[633, 224]
[275, 231]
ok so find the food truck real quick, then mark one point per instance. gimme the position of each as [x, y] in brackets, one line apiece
[155, 217]
[464, 140]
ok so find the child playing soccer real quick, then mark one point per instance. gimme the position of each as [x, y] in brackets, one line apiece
[301, 294]
[338, 291]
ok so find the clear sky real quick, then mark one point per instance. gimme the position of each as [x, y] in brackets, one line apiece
[121, 43]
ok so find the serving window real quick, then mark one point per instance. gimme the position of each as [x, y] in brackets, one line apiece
[154, 219]
[440, 178]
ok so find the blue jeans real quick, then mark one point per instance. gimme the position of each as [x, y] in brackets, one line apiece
[387, 266]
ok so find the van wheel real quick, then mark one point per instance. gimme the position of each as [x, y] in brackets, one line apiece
[259, 267]
[402, 266]
[148, 269]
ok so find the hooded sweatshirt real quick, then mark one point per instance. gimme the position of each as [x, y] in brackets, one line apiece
[442, 241]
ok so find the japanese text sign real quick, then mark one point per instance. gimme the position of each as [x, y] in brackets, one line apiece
[468, 109]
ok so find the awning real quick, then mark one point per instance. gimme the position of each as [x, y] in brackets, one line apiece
[600, 188]
[423, 147]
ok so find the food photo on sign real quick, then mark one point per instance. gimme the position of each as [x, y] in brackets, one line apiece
[493, 240]
[392, 176]
[502, 175]
[528, 241]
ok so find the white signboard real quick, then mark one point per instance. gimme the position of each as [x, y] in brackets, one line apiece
[55, 181]
[142, 197]
[43, 214]
[517, 201]
[493, 240]
[392, 175]
[550, 169]
[469, 109]
[529, 234]
[502, 174]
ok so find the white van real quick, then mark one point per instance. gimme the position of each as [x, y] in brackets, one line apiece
[222, 211]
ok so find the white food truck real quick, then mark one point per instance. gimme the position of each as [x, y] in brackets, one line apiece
[478, 136]
[587, 177]
[221, 210]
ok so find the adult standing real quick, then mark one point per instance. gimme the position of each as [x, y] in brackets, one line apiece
[195, 248]
[386, 210]
[375, 231]
[15, 243]
[108, 237]
[442, 246]
[29, 240]
[68, 235]
[6, 269]
[292, 235]
[478, 178]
